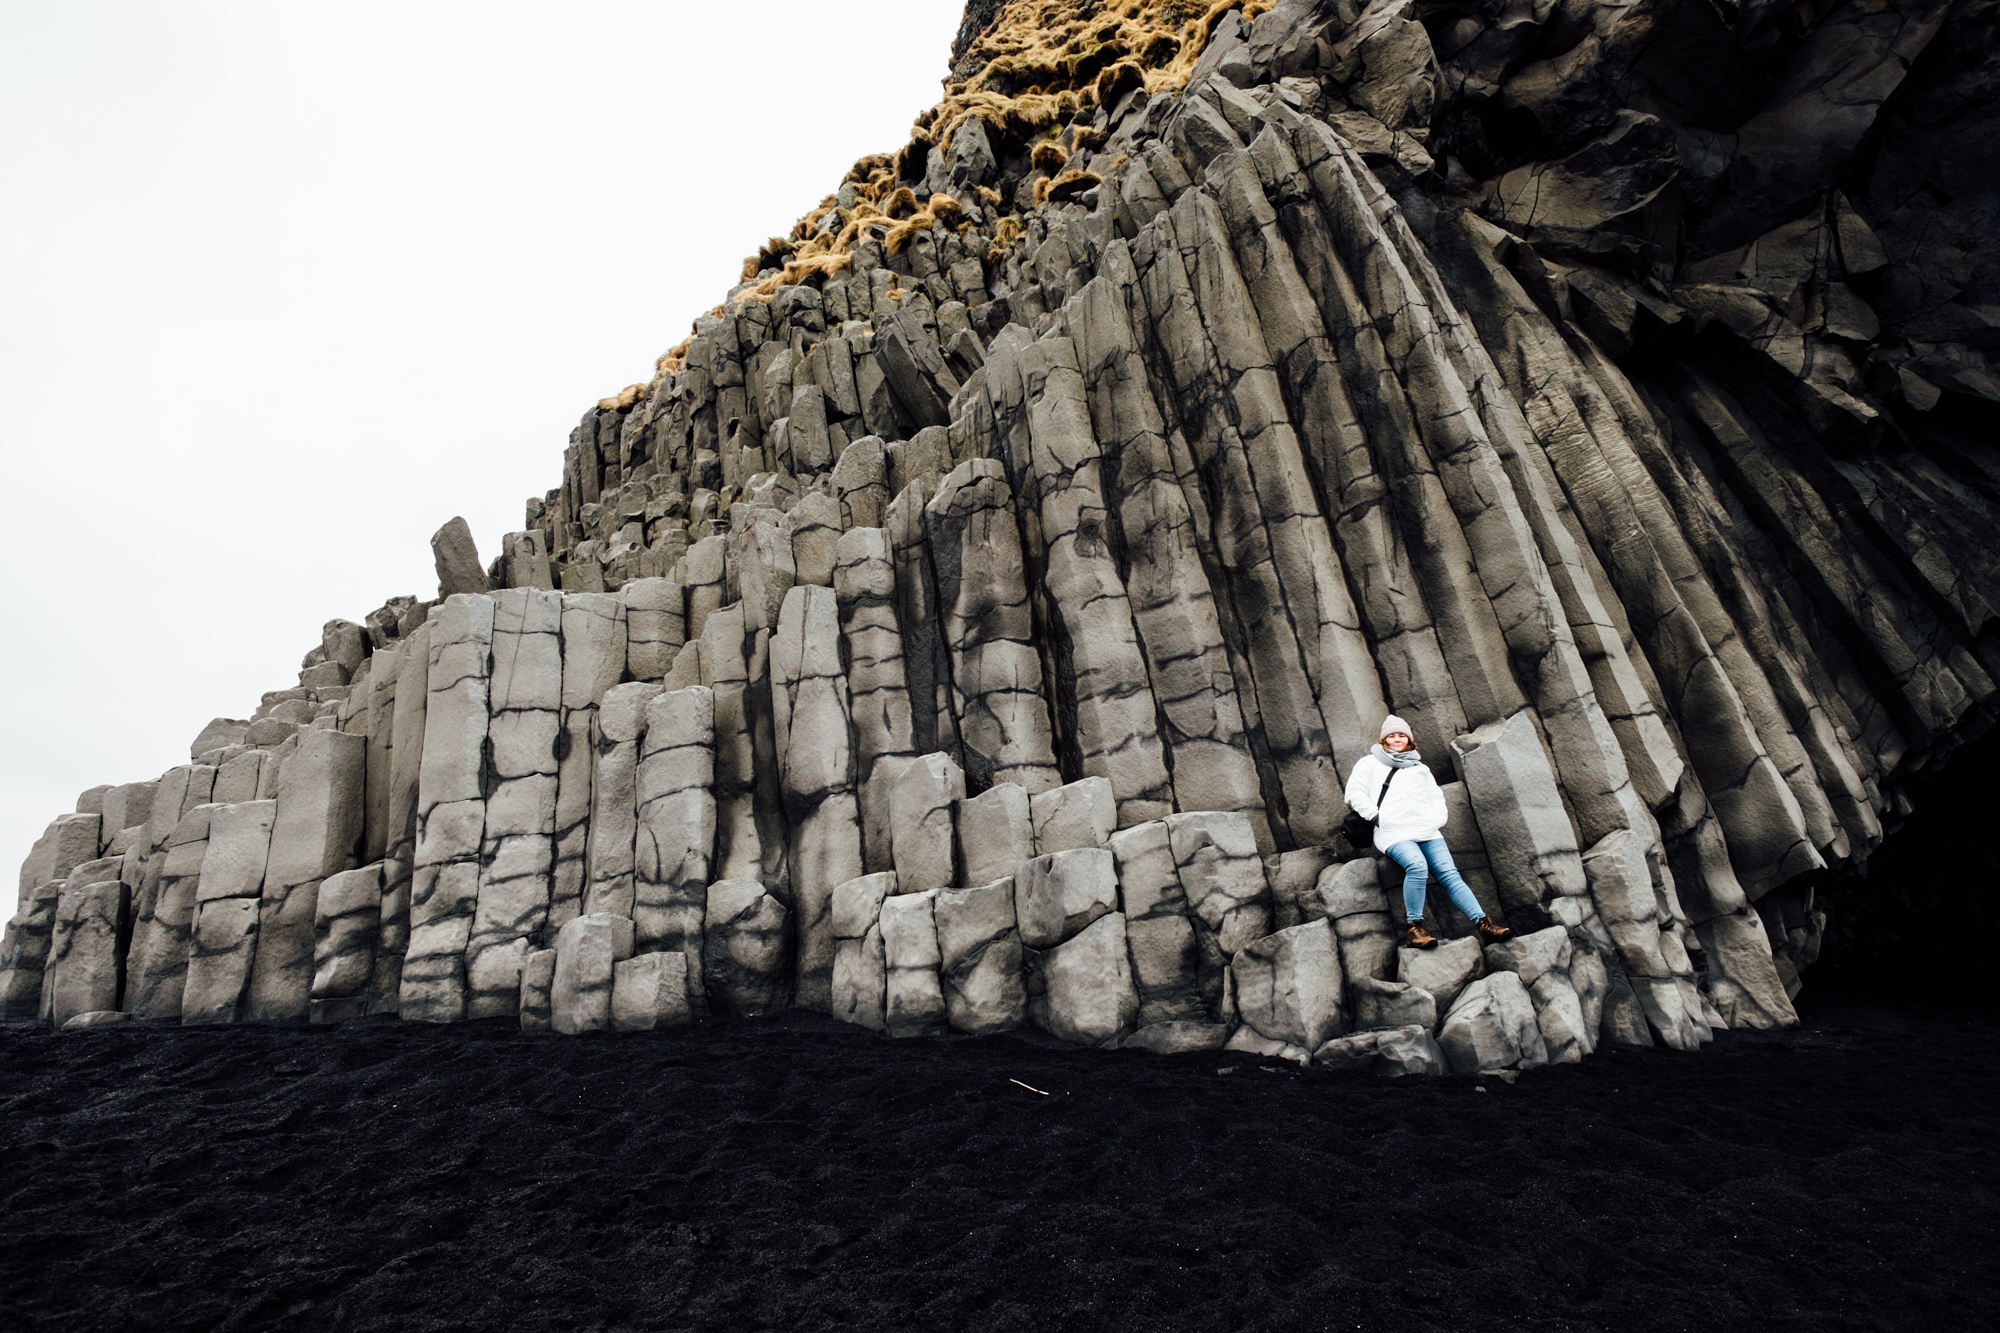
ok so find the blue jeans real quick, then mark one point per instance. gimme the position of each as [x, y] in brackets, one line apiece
[1421, 861]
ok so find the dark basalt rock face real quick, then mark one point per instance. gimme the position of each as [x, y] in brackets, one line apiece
[1604, 389]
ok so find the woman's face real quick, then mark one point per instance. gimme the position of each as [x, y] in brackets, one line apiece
[1397, 741]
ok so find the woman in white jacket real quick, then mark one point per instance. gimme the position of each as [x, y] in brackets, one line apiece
[1391, 786]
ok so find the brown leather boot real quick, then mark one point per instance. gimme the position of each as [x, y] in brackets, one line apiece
[1492, 934]
[1417, 936]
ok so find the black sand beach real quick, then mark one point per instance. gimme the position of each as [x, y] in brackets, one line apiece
[793, 1175]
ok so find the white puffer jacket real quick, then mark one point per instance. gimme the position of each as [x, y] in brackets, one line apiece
[1414, 810]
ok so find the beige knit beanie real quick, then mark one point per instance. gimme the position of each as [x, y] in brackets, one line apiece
[1392, 723]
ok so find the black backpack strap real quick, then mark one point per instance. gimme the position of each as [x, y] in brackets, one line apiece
[1384, 792]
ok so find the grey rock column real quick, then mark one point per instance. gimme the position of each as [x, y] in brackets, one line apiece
[72, 839]
[996, 833]
[24, 952]
[655, 626]
[315, 833]
[347, 925]
[84, 969]
[859, 964]
[384, 675]
[179, 791]
[1148, 478]
[676, 834]
[1216, 857]
[979, 958]
[996, 671]
[739, 847]
[219, 960]
[864, 582]
[406, 755]
[1290, 988]
[156, 968]
[814, 738]
[451, 810]
[1165, 961]
[913, 1001]
[1262, 526]
[1081, 991]
[926, 658]
[614, 801]
[517, 847]
[1116, 715]
[594, 645]
[921, 809]
[1531, 846]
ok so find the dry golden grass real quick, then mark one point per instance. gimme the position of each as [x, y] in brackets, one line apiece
[1050, 157]
[632, 393]
[942, 208]
[1007, 233]
[1066, 186]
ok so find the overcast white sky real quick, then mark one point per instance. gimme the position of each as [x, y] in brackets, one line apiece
[284, 286]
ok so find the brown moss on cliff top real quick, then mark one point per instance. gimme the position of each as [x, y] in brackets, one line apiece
[1048, 46]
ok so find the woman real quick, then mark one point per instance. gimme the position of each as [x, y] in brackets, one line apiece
[1409, 814]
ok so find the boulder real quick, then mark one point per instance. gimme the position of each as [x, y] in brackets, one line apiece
[859, 968]
[995, 833]
[743, 950]
[913, 997]
[1391, 1004]
[1056, 896]
[219, 957]
[457, 558]
[1167, 965]
[1288, 986]
[1177, 1037]
[1443, 971]
[921, 807]
[538, 979]
[1405, 1051]
[1387, 1052]
[1215, 854]
[1294, 879]
[649, 991]
[1249, 1041]
[1492, 1026]
[1081, 990]
[1078, 814]
[85, 970]
[979, 950]
[347, 924]
[588, 951]
[1529, 956]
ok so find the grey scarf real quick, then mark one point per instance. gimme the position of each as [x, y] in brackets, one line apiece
[1407, 759]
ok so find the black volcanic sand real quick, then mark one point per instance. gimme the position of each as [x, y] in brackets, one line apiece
[791, 1174]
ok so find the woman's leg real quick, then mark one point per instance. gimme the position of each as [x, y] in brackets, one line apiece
[1445, 870]
[1410, 856]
